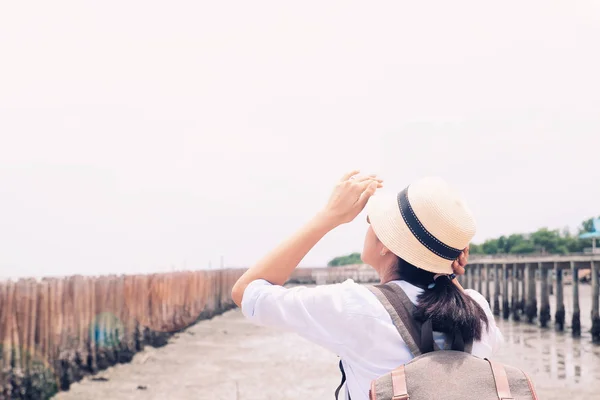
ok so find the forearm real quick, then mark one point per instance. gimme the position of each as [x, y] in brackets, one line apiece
[277, 266]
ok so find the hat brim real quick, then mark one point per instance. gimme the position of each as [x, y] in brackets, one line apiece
[389, 227]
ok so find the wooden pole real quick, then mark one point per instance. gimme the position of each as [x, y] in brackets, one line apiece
[5, 327]
[505, 306]
[531, 305]
[559, 317]
[595, 309]
[488, 283]
[480, 278]
[496, 289]
[521, 287]
[515, 293]
[576, 320]
[469, 280]
[545, 306]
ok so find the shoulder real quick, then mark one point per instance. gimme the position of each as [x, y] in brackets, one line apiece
[347, 297]
[478, 297]
[326, 314]
[483, 303]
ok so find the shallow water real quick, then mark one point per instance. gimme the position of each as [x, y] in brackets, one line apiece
[557, 363]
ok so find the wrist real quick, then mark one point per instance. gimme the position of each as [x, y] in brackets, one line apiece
[325, 221]
[458, 285]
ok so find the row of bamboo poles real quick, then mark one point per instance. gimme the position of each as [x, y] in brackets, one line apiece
[56, 330]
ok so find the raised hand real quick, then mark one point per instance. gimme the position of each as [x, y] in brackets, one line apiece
[350, 195]
[458, 266]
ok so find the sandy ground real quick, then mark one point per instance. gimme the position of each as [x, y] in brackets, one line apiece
[229, 358]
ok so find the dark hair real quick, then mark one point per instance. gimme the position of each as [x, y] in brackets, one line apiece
[445, 304]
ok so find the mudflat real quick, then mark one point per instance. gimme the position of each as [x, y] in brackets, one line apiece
[229, 358]
[222, 358]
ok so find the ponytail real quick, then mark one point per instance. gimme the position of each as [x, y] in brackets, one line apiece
[446, 305]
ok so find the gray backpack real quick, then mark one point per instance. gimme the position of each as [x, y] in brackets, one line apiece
[441, 374]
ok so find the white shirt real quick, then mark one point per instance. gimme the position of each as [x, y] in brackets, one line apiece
[349, 320]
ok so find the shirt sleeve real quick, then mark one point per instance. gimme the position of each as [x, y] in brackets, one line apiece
[492, 338]
[319, 314]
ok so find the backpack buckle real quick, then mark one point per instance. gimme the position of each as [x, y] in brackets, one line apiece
[407, 397]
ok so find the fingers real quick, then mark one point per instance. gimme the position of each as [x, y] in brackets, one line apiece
[364, 182]
[366, 194]
[361, 178]
[371, 177]
[457, 268]
[362, 186]
[348, 175]
[462, 259]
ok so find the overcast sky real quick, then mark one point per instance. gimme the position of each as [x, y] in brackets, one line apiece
[143, 136]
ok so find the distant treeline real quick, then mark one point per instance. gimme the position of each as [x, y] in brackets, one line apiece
[544, 241]
[349, 259]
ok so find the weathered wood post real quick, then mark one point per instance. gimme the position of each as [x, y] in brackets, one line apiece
[531, 306]
[505, 307]
[488, 283]
[559, 317]
[480, 278]
[576, 320]
[521, 287]
[595, 308]
[496, 289]
[471, 277]
[545, 306]
[515, 297]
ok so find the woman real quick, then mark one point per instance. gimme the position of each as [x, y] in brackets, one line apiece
[416, 239]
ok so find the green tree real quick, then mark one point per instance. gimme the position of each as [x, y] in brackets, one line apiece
[514, 240]
[587, 225]
[349, 259]
[502, 244]
[543, 240]
[475, 248]
[490, 246]
[546, 240]
[523, 248]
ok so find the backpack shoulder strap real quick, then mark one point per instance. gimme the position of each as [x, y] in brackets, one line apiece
[337, 391]
[453, 341]
[501, 380]
[402, 296]
[398, 300]
[427, 343]
[401, 317]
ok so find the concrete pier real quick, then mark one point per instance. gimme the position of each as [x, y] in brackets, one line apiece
[516, 280]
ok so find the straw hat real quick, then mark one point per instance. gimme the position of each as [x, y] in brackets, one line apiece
[427, 224]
